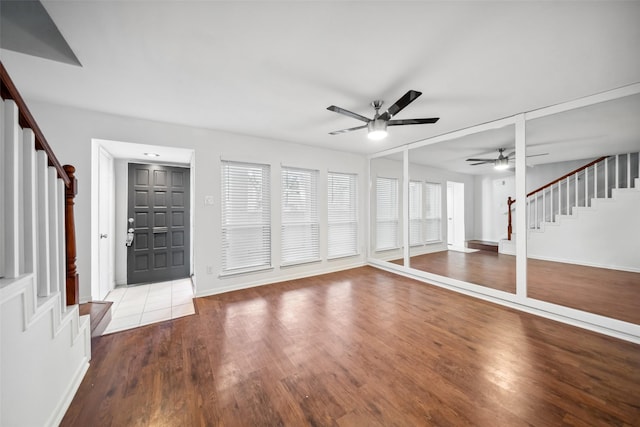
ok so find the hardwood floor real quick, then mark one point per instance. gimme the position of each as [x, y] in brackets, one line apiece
[610, 293]
[361, 347]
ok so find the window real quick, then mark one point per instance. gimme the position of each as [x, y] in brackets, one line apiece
[434, 212]
[386, 213]
[246, 217]
[300, 226]
[416, 218]
[342, 215]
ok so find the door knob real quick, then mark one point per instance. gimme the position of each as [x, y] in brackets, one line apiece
[103, 236]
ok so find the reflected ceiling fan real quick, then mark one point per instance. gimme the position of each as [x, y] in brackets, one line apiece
[501, 162]
[377, 127]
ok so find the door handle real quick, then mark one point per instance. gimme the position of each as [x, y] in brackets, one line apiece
[129, 240]
[103, 236]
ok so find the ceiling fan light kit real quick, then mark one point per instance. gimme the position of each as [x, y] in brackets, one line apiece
[501, 164]
[377, 127]
[377, 130]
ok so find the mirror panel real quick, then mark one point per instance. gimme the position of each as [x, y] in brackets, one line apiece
[386, 237]
[583, 208]
[458, 208]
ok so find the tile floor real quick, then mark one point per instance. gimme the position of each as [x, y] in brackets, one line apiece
[135, 306]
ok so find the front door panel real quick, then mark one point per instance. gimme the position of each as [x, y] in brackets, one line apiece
[159, 207]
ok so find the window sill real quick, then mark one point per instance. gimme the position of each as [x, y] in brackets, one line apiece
[294, 263]
[239, 272]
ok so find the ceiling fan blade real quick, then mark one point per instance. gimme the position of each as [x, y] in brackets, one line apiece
[513, 153]
[412, 121]
[481, 160]
[338, 132]
[348, 113]
[481, 163]
[406, 99]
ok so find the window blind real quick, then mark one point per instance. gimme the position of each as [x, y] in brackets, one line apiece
[416, 217]
[386, 213]
[434, 212]
[300, 225]
[342, 215]
[246, 217]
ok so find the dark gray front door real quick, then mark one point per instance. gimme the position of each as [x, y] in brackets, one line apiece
[159, 207]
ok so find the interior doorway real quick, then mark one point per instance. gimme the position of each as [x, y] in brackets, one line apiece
[114, 176]
[455, 215]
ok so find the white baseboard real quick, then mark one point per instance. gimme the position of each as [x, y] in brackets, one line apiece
[280, 278]
[587, 264]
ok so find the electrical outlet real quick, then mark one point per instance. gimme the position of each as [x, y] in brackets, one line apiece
[209, 269]
[208, 200]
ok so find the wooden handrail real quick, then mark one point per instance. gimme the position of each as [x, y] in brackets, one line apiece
[9, 91]
[511, 201]
[567, 175]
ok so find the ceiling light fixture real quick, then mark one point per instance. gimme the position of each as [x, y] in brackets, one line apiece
[501, 163]
[152, 154]
[377, 129]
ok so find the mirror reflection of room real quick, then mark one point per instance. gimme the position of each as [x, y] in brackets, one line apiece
[458, 209]
[583, 209]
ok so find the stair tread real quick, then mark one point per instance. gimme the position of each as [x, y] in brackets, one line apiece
[482, 245]
[99, 314]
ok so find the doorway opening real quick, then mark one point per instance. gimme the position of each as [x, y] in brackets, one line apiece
[455, 216]
[162, 297]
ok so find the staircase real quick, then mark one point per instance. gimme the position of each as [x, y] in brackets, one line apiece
[590, 216]
[45, 344]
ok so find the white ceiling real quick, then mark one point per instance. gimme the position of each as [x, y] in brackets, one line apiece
[270, 69]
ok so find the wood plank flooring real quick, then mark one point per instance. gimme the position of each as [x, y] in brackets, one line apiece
[610, 293]
[361, 347]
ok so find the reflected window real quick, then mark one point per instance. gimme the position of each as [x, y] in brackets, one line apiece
[433, 212]
[416, 214]
[386, 213]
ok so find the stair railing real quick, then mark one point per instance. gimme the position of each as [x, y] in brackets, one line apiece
[36, 184]
[596, 179]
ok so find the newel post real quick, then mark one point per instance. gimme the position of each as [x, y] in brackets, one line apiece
[510, 201]
[73, 289]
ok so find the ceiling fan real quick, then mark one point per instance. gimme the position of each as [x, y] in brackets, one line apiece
[501, 162]
[377, 127]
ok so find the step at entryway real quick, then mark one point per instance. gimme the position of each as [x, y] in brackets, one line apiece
[483, 245]
[99, 314]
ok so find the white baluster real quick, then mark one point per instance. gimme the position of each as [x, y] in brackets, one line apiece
[586, 187]
[54, 285]
[535, 213]
[551, 203]
[11, 180]
[30, 191]
[617, 169]
[629, 170]
[568, 207]
[595, 181]
[544, 205]
[62, 261]
[606, 178]
[44, 276]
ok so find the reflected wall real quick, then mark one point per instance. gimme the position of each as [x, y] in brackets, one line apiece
[583, 209]
[560, 224]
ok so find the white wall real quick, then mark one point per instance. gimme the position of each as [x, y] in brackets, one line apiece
[606, 234]
[70, 131]
[491, 211]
